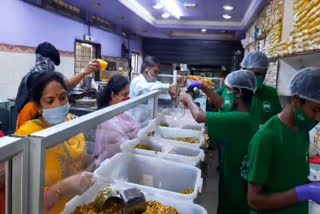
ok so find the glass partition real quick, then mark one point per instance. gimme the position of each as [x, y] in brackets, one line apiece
[13, 175]
[63, 156]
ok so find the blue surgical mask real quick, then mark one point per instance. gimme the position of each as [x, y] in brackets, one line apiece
[57, 115]
[151, 79]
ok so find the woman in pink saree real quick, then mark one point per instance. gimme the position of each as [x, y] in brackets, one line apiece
[112, 133]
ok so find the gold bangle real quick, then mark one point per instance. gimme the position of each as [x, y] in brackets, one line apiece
[58, 190]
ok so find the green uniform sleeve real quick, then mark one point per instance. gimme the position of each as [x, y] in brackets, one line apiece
[260, 153]
[220, 90]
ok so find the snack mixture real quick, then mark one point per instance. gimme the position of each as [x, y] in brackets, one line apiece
[153, 207]
[187, 191]
[192, 140]
[206, 81]
[145, 147]
[151, 134]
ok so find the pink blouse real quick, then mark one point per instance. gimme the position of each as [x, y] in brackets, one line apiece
[112, 133]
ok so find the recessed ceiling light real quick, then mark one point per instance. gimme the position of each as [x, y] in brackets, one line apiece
[228, 7]
[190, 5]
[158, 6]
[203, 30]
[226, 16]
[165, 15]
[173, 7]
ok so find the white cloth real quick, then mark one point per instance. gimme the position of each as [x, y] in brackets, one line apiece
[140, 85]
[112, 133]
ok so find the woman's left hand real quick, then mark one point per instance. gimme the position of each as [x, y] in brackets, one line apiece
[92, 67]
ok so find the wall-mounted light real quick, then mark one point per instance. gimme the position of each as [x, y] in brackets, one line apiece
[203, 30]
[226, 16]
[172, 7]
[165, 15]
[158, 6]
[228, 7]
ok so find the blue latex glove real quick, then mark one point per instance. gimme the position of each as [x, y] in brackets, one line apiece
[191, 84]
[309, 192]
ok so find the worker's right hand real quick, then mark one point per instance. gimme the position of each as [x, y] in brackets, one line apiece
[92, 67]
[191, 84]
[309, 192]
[77, 184]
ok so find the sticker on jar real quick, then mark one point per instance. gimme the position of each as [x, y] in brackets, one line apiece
[147, 180]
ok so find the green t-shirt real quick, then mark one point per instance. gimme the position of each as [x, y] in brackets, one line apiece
[265, 104]
[222, 92]
[279, 161]
[234, 130]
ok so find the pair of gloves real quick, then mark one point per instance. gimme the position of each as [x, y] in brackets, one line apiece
[309, 192]
[191, 84]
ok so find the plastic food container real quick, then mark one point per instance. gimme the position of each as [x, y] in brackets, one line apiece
[89, 196]
[171, 121]
[171, 133]
[165, 150]
[151, 175]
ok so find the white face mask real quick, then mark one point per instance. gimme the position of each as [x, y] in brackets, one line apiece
[57, 115]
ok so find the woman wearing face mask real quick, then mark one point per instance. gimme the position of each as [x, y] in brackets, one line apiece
[234, 131]
[65, 161]
[112, 133]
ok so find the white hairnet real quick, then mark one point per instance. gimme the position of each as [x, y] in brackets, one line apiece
[242, 79]
[306, 84]
[255, 60]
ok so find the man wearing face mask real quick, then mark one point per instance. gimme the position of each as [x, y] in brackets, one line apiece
[234, 130]
[266, 102]
[279, 152]
[148, 79]
[146, 82]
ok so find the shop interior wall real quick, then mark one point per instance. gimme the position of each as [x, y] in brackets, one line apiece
[24, 26]
[196, 52]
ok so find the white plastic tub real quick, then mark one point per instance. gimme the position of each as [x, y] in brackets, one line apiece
[173, 122]
[151, 174]
[167, 150]
[90, 195]
[169, 133]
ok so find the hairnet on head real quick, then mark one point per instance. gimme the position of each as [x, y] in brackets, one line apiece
[306, 84]
[255, 60]
[242, 79]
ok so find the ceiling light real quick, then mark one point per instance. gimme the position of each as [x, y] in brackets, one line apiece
[158, 6]
[172, 7]
[165, 15]
[204, 30]
[227, 7]
[190, 5]
[226, 16]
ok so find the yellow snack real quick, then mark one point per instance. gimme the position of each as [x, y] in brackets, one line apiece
[151, 134]
[206, 81]
[187, 191]
[192, 140]
[145, 147]
[153, 207]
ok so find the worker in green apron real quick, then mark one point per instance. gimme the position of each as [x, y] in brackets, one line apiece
[234, 129]
[279, 152]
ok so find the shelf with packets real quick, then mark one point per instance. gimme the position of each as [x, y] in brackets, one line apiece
[304, 37]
